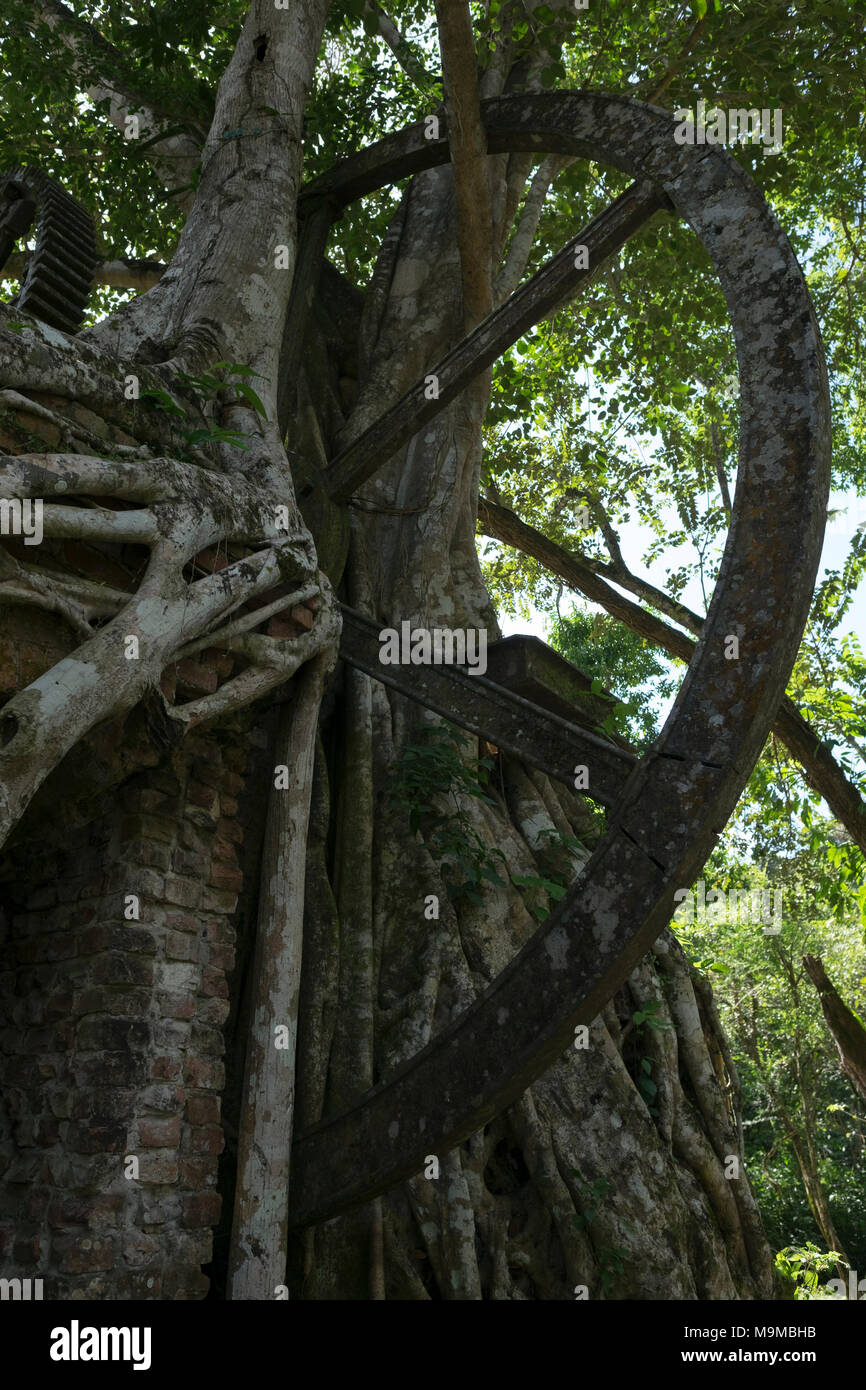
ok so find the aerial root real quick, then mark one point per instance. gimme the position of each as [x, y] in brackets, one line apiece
[225, 557]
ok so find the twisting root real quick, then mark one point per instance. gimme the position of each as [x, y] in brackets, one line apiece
[176, 510]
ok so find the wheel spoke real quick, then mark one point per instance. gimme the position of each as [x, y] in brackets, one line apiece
[677, 799]
[558, 280]
[518, 726]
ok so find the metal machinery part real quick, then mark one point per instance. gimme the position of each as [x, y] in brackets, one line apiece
[59, 276]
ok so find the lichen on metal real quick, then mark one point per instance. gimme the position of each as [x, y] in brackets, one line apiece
[677, 799]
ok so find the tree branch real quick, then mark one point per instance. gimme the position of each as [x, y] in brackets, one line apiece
[28, 586]
[820, 769]
[845, 1027]
[661, 84]
[468, 145]
[121, 274]
[403, 51]
[257, 1256]
[98, 65]
[522, 242]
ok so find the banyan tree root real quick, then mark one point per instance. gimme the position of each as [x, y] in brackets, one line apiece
[176, 511]
[549, 1200]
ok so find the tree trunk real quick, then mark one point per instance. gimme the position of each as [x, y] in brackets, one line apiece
[503, 1218]
[845, 1027]
[515, 1212]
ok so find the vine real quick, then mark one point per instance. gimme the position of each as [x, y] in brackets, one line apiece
[428, 783]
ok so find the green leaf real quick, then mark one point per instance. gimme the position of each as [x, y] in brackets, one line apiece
[249, 395]
[492, 876]
[162, 400]
[237, 369]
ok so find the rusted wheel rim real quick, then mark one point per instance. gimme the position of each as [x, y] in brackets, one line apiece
[679, 797]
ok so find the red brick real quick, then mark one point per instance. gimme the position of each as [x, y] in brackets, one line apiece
[210, 559]
[95, 1212]
[205, 1139]
[197, 677]
[221, 957]
[303, 616]
[34, 662]
[226, 876]
[159, 1134]
[183, 892]
[100, 1136]
[282, 627]
[204, 1073]
[8, 667]
[203, 796]
[222, 662]
[147, 827]
[182, 921]
[198, 1173]
[213, 1010]
[180, 947]
[83, 1254]
[225, 851]
[185, 1285]
[190, 862]
[213, 982]
[177, 1005]
[26, 1252]
[164, 1099]
[165, 1068]
[230, 830]
[209, 771]
[203, 1110]
[218, 929]
[157, 1168]
[218, 900]
[201, 1209]
[139, 1249]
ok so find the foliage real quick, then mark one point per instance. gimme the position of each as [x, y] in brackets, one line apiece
[793, 1088]
[590, 1196]
[620, 661]
[205, 389]
[801, 1266]
[430, 783]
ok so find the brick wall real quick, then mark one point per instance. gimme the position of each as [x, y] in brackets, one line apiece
[111, 1049]
[112, 1011]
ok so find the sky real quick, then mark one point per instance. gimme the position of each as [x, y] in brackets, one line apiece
[635, 539]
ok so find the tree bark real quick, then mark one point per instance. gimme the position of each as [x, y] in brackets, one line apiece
[820, 768]
[257, 1259]
[845, 1027]
[378, 976]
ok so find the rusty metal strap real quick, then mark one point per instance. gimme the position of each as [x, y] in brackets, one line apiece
[518, 726]
[558, 280]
